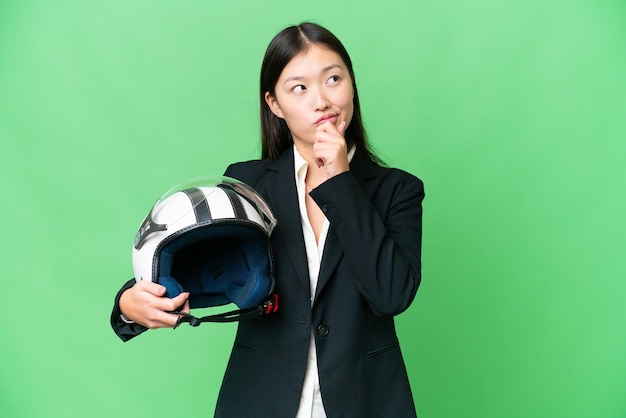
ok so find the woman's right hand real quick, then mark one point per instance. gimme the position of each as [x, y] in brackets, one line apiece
[144, 304]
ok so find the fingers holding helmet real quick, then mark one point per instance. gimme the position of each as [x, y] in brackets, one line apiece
[145, 304]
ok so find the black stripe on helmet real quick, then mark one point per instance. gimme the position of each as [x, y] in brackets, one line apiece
[199, 203]
[240, 212]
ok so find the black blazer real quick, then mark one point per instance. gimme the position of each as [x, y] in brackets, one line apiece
[370, 271]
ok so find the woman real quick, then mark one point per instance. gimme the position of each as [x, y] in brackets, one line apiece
[347, 251]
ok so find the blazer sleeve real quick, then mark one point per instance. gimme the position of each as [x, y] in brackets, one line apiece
[380, 236]
[124, 330]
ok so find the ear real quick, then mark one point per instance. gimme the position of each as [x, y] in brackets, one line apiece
[273, 104]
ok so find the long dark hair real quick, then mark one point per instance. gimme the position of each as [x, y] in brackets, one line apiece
[291, 41]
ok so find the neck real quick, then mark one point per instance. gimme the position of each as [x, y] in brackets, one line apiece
[306, 151]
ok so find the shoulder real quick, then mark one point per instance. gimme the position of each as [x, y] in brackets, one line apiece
[256, 172]
[401, 177]
[378, 176]
[246, 171]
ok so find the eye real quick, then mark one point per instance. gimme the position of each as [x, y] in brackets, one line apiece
[333, 79]
[298, 89]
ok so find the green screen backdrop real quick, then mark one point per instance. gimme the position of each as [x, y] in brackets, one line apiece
[512, 112]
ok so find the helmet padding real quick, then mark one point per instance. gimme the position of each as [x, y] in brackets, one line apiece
[218, 263]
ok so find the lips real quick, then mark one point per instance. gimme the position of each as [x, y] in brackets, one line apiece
[327, 118]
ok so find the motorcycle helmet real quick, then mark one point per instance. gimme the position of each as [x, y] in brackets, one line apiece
[210, 237]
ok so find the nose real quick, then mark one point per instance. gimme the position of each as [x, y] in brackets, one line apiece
[320, 100]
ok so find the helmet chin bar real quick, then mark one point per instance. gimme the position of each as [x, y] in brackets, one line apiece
[267, 307]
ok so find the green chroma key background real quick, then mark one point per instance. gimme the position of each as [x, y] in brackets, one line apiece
[513, 113]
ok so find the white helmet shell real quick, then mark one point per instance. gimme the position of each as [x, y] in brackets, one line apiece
[211, 237]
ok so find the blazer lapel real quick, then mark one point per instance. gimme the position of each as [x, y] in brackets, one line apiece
[332, 254]
[282, 197]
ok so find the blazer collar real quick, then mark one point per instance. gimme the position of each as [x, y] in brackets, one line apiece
[361, 166]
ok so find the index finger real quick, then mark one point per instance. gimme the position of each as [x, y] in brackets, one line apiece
[151, 287]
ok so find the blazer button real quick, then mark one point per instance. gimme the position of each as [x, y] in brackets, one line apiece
[324, 208]
[323, 330]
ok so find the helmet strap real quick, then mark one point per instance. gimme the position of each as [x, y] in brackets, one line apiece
[267, 307]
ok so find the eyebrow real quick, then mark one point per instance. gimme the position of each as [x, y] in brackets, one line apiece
[325, 69]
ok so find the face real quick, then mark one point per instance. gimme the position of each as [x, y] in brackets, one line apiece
[314, 87]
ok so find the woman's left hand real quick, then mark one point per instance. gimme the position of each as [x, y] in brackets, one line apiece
[330, 149]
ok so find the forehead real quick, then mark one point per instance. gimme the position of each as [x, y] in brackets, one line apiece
[316, 59]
